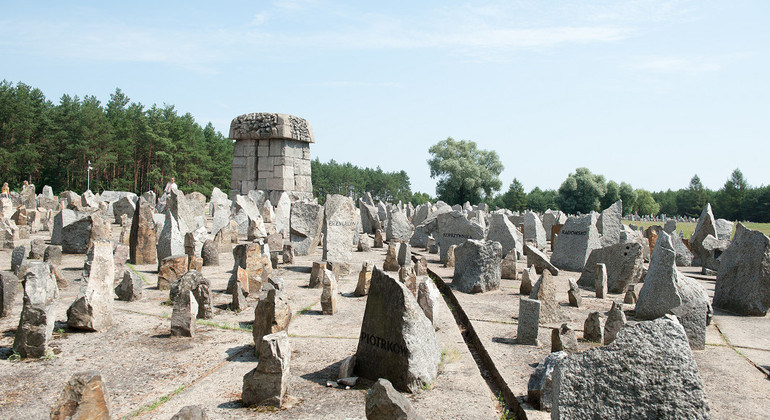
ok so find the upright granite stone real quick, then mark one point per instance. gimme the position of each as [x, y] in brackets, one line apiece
[364, 279]
[609, 224]
[306, 226]
[210, 253]
[533, 230]
[130, 288]
[92, 310]
[37, 313]
[84, 397]
[76, 236]
[593, 327]
[563, 339]
[684, 256]
[256, 265]
[329, 293]
[706, 226]
[183, 314]
[477, 266]
[9, 284]
[171, 239]
[268, 383]
[428, 297]
[370, 220]
[171, 268]
[384, 402]
[573, 294]
[576, 240]
[508, 268]
[541, 381]
[528, 276]
[647, 372]
[125, 206]
[529, 321]
[502, 230]
[600, 280]
[545, 292]
[666, 290]
[36, 249]
[399, 228]
[616, 321]
[624, 263]
[18, 258]
[391, 257]
[9, 234]
[552, 218]
[454, 229]
[339, 228]
[397, 340]
[724, 229]
[743, 280]
[272, 314]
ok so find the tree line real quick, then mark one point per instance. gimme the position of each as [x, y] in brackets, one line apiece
[130, 147]
[466, 173]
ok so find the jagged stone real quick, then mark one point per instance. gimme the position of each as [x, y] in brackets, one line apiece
[391, 257]
[624, 264]
[37, 314]
[171, 268]
[9, 285]
[743, 279]
[130, 288]
[541, 381]
[577, 238]
[477, 266]
[609, 224]
[269, 381]
[183, 314]
[257, 266]
[329, 294]
[575, 299]
[364, 279]
[84, 397]
[563, 339]
[533, 230]
[529, 321]
[92, 309]
[454, 229]
[508, 266]
[272, 314]
[593, 327]
[600, 280]
[502, 230]
[210, 253]
[545, 291]
[616, 320]
[539, 260]
[428, 297]
[239, 302]
[399, 228]
[527, 275]
[339, 227]
[384, 402]
[191, 412]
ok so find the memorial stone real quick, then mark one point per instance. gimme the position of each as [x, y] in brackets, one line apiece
[92, 309]
[743, 280]
[624, 264]
[477, 266]
[593, 327]
[533, 230]
[529, 321]
[454, 229]
[576, 240]
[268, 383]
[272, 314]
[37, 314]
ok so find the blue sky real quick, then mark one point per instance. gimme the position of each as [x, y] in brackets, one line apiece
[646, 92]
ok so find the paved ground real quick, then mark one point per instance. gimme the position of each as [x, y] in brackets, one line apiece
[151, 375]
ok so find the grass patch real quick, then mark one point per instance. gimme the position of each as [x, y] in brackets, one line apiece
[225, 325]
[15, 357]
[144, 280]
[689, 228]
[157, 403]
[304, 310]
[448, 355]
[505, 414]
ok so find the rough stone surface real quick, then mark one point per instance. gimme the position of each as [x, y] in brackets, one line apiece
[600, 280]
[384, 402]
[171, 238]
[541, 381]
[37, 249]
[631, 297]
[9, 285]
[391, 257]
[454, 229]
[647, 372]
[502, 230]
[171, 268]
[477, 266]
[210, 253]
[191, 412]
[706, 226]
[527, 276]
[397, 340]
[18, 258]
[537, 259]
[256, 265]
[683, 255]
[610, 225]
[76, 236]
[508, 266]
[272, 314]
[37, 314]
[130, 288]
[743, 279]
[183, 315]
[529, 321]
[577, 238]
[339, 227]
[329, 294]
[724, 229]
[399, 228]
[563, 339]
[593, 327]
[142, 239]
[92, 309]
[268, 383]
[239, 302]
[616, 321]
[624, 263]
[575, 299]
[545, 292]
[364, 279]
[666, 290]
[120, 254]
[533, 230]
[428, 297]
[84, 397]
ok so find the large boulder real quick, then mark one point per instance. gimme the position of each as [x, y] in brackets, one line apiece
[647, 372]
[397, 340]
[609, 224]
[666, 290]
[399, 228]
[454, 229]
[268, 382]
[624, 263]
[577, 238]
[534, 231]
[477, 266]
[306, 226]
[502, 230]
[340, 225]
[743, 279]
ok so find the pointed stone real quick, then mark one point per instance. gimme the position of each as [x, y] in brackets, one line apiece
[268, 383]
[364, 279]
[575, 299]
[92, 310]
[593, 328]
[577, 238]
[84, 397]
[616, 320]
[329, 294]
[545, 292]
[130, 288]
[563, 339]
[384, 402]
[527, 276]
[239, 302]
[743, 280]
[272, 314]
[600, 281]
[37, 313]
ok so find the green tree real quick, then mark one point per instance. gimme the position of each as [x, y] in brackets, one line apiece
[419, 198]
[644, 204]
[729, 200]
[692, 200]
[465, 172]
[667, 201]
[756, 205]
[629, 197]
[581, 192]
[540, 201]
[611, 195]
[515, 198]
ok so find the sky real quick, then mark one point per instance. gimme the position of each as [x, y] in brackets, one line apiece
[644, 92]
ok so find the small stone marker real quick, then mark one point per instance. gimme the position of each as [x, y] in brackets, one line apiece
[508, 266]
[36, 249]
[428, 297]
[191, 412]
[84, 397]
[593, 328]
[563, 339]
[365, 243]
[183, 315]
[575, 299]
[130, 288]
[329, 294]
[288, 254]
[616, 320]
[541, 381]
[18, 258]
[92, 310]
[624, 263]
[316, 275]
[384, 402]
[539, 260]
[268, 382]
[630, 297]
[397, 340]
[527, 276]
[408, 276]
[171, 269]
[545, 292]
[391, 257]
[364, 279]
[37, 313]
[210, 253]
[378, 240]
[52, 254]
[600, 281]
[239, 302]
[8, 285]
[529, 321]
[272, 314]
[477, 266]
[450, 256]
[347, 367]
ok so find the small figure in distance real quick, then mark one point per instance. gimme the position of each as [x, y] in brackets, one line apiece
[170, 186]
[6, 192]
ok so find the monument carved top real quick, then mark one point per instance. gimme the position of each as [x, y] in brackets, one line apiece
[266, 125]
